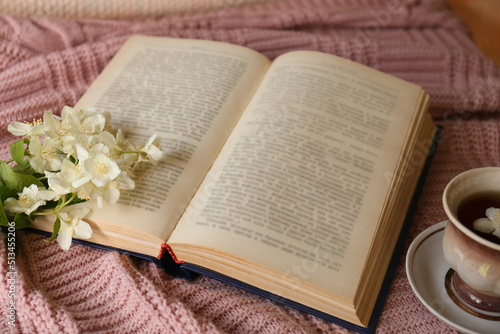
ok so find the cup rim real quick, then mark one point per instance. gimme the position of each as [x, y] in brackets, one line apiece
[452, 217]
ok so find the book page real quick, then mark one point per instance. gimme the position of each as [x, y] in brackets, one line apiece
[189, 92]
[300, 185]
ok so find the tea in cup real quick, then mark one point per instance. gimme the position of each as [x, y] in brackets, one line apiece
[470, 245]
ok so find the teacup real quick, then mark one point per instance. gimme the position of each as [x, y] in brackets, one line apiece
[474, 281]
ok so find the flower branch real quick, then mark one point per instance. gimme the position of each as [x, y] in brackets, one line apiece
[66, 160]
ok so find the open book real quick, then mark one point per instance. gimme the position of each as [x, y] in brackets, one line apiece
[293, 177]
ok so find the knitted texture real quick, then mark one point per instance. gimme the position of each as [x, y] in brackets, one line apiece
[48, 63]
[113, 9]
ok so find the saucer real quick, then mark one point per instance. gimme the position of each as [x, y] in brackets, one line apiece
[426, 269]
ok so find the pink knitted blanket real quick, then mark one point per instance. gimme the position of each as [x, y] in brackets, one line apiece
[47, 63]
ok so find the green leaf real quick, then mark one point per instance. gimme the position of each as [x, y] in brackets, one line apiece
[6, 192]
[25, 168]
[22, 220]
[57, 226]
[16, 181]
[3, 216]
[17, 150]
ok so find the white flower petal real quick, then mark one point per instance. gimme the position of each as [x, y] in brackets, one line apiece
[81, 153]
[155, 153]
[35, 146]
[106, 138]
[78, 212]
[80, 182]
[48, 116]
[113, 170]
[99, 201]
[99, 149]
[64, 239]
[484, 225]
[38, 164]
[82, 230]
[58, 184]
[100, 180]
[111, 195]
[493, 214]
[53, 164]
[18, 128]
[125, 182]
[47, 195]
[13, 205]
[67, 112]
